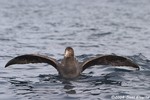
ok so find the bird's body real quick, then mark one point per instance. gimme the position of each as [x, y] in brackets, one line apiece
[69, 67]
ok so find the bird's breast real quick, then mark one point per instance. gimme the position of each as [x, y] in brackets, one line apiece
[69, 71]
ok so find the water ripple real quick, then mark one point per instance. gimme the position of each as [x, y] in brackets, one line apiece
[90, 27]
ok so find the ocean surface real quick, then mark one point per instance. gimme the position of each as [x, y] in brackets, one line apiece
[91, 27]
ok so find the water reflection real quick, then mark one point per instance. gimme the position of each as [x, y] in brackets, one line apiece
[49, 82]
[68, 86]
[107, 80]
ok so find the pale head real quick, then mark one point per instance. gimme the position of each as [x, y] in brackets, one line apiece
[69, 52]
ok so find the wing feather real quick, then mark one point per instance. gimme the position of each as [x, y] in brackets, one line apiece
[113, 60]
[32, 58]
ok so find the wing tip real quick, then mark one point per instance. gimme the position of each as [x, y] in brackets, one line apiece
[135, 65]
[7, 64]
[138, 68]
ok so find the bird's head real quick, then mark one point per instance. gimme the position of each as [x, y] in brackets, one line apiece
[69, 52]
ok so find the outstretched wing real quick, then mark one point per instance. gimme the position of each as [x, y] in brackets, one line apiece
[32, 58]
[109, 60]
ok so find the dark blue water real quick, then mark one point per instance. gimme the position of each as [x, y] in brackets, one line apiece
[91, 27]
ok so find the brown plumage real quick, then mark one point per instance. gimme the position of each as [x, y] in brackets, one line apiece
[69, 67]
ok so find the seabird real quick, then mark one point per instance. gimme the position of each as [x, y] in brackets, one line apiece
[70, 67]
